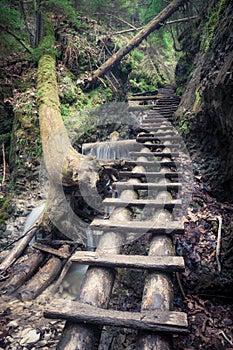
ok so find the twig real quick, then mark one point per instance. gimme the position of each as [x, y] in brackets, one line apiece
[219, 242]
[226, 338]
[180, 285]
[4, 164]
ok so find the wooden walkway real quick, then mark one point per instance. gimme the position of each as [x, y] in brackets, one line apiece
[152, 182]
[158, 174]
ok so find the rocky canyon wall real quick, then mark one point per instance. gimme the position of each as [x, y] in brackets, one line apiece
[205, 115]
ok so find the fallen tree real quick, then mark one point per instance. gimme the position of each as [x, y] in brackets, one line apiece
[156, 23]
[63, 163]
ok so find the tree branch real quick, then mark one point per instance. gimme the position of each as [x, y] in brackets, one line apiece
[186, 19]
[8, 31]
[136, 40]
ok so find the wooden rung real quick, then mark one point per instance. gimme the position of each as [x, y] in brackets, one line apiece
[74, 311]
[155, 133]
[140, 227]
[117, 202]
[152, 174]
[147, 185]
[143, 138]
[158, 119]
[156, 127]
[154, 154]
[152, 163]
[161, 145]
[158, 263]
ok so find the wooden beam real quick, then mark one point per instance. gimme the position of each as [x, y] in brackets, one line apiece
[152, 163]
[165, 264]
[137, 226]
[50, 250]
[152, 203]
[147, 186]
[152, 174]
[74, 311]
[154, 154]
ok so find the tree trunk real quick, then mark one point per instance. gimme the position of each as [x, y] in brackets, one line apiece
[136, 40]
[64, 164]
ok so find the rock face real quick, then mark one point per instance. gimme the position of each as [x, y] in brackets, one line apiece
[206, 109]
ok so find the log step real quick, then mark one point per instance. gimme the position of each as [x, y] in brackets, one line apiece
[152, 174]
[143, 138]
[156, 127]
[139, 227]
[152, 163]
[147, 186]
[74, 311]
[117, 202]
[160, 133]
[154, 154]
[158, 119]
[158, 263]
[161, 145]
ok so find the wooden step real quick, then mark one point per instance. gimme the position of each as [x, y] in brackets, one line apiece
[161, 145]
[158, 134]
[74, 311]
[158, 263]
[150, 164]
[118, 202]
[144, 138]
[147, 186]
[158, 119]
[156, 127]
[139, 227]
[148, 175]
[154, 154]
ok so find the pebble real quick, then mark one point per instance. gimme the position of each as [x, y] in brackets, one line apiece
[30, 336]
[13, 324]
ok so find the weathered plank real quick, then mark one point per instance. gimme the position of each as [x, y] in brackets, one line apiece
[155, 163]
[156, 126]
[161, 137]
[158, 118]
[117, 202]
[166, 264]
[50, 250]
[138, 226]
[74, 311]
[164, 133]
[147, 186]
[151, 174]
[161, 145]
[155, 154]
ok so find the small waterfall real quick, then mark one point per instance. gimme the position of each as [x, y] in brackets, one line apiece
[32, 218]
[111, 149]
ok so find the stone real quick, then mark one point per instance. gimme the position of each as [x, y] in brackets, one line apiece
[13, 324]
[29, 336]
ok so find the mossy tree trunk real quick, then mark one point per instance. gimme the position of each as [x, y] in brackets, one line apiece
[63, 163]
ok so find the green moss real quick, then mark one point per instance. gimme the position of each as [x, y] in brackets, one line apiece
[184, 123]
[212, 19]
[197, 100]
[47, 46]
[5, 209]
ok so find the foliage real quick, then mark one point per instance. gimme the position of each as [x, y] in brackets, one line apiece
[212, 19]
[150, 9]
[153, 62]
[10, 21]
[184, 123]
[47, 46]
